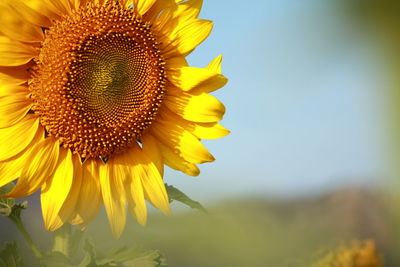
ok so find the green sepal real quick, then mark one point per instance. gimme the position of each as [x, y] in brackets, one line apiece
[8, 207]
[5, 203]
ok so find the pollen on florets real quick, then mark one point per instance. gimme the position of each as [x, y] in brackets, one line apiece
[99, 80]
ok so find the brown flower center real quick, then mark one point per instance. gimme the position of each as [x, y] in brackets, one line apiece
[99, 80]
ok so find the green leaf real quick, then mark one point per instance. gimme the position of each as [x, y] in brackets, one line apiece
[9, 256]
[90, 256]
[122, 257]
[176, 194]
[6, 204]
[132, 257]
[55, 259]
[149, 259]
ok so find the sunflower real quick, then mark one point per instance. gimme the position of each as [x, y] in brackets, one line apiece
[357, 254]
[96, 97]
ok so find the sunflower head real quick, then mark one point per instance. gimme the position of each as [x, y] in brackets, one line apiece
[96, 97]
[109, 85]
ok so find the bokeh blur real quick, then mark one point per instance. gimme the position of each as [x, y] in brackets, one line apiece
[313, 160]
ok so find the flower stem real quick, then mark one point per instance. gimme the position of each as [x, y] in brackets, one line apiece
[62, 240]
[21, 228]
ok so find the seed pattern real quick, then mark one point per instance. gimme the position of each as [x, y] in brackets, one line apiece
[99, 80]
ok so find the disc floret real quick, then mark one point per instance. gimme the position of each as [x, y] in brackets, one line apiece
[99, 80]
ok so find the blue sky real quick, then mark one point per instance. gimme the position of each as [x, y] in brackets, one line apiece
[303, 102]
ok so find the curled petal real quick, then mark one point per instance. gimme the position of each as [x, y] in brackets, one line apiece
[182, 142]
[198, 108]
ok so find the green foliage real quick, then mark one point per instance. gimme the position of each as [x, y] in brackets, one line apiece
[122, 257]
[177, 195]
[9, 256]
[55, 259]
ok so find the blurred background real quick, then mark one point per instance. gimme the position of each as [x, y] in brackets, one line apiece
[311, 163]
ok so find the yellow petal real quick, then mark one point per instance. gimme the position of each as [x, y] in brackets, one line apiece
[142, 6]
[157, 8]
[165, 23]
[182, 142]
[11, 169]
[113, 192]
[40, 165]
[30, 15]
[198, 108]
[215, 65]
[131, 177]
[13, 108]
[153, 185]
[67, 211]
[14, 75]
[176, 162]
[188, 78]
[175, 15]
[214, 83]
[133, 187]
[14, 26]
[188, 10]
[136, 202]
[75, 4]
[7, 90]
[89, 199]
[56, 189]
[14, 53]
[17, 137]
[211, 130]
[61, 7]
[186, 37]
[45, 8]
[152, 151]
[175, 63]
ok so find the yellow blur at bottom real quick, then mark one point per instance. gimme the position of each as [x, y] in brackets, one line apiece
[359, 254]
